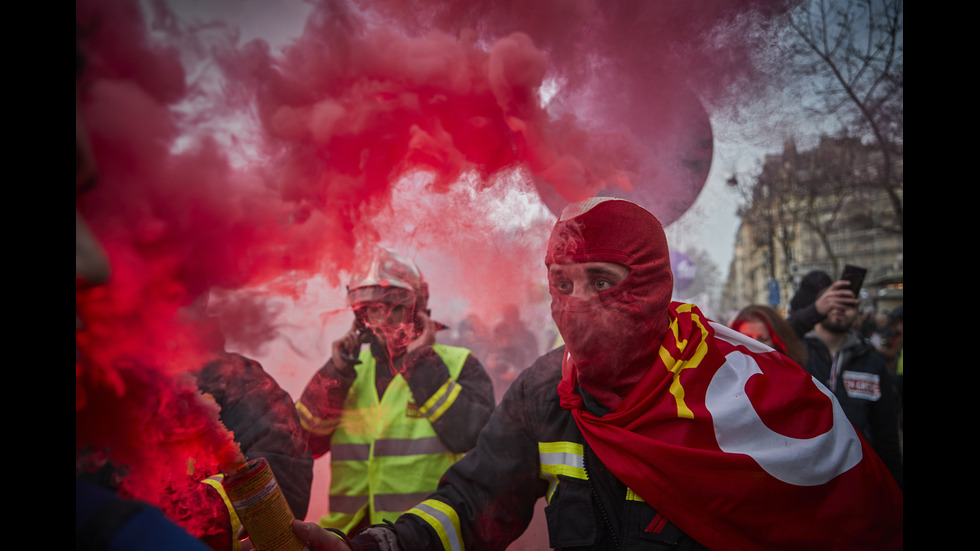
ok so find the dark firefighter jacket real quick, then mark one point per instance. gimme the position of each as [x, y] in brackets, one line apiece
[532, 449]
[263, 418]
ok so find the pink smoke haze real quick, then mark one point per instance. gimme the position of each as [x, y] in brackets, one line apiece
[432, 127]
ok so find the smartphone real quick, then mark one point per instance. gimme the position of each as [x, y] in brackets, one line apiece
[855, 275]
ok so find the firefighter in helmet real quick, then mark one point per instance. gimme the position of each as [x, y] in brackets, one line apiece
[397, 413]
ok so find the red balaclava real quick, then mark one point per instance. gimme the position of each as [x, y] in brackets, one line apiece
[614, 337]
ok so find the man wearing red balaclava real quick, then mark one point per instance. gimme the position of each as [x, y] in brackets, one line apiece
[652, 428]
[611, 336]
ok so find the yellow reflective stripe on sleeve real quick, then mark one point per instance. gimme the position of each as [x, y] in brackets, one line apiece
[443, 519]
[564, 458]
[435, 406]
[312, 423]
[560, 458]
[236, 523]
[632, 496]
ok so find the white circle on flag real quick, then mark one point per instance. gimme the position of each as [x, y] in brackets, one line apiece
[797, 461]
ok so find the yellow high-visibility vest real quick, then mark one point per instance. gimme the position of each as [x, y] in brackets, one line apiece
[385, 455]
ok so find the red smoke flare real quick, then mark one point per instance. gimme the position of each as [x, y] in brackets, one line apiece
[361, 105]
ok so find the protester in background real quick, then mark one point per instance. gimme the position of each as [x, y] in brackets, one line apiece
[653, 427]
[398, 413]
[817, 295]
[838, 357]
[883, 331]
[894, 351]
[513, 339]
[898, 316]
[866, 323]
[767, 326]
[890, 341]
[514, 348]
[474, 335]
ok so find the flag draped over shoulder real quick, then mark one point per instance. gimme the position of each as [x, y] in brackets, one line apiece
[741, 448]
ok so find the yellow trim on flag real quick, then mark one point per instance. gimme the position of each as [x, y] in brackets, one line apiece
[675, 365]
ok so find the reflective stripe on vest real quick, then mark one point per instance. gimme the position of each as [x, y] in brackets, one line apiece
[444, 520]
[389, 446]
[560, 458]
[314, 424]
[377, 442]
[434, 407]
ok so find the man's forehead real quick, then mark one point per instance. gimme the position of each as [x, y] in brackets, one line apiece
[588, 267]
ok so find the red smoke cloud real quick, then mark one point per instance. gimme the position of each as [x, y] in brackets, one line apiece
[447, 96]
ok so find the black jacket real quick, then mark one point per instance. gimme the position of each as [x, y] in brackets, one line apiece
[494, 488]
[865, 392]
[263, 418]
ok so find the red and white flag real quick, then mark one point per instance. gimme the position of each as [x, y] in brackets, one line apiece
[742, 449]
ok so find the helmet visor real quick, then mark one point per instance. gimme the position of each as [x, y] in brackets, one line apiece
[389, 295]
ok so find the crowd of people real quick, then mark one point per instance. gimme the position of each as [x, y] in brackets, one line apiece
[650, 427]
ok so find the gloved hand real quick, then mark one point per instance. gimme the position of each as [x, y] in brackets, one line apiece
[427, 334]
[346, 349]
[318, 538]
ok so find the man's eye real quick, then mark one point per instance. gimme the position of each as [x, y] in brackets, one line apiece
[603, 284]
[564, 286]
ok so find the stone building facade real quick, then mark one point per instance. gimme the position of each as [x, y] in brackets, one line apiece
[819, 210]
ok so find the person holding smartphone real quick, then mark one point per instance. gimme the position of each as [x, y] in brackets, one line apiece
[817, 296]
[842, 359]
[394, 414]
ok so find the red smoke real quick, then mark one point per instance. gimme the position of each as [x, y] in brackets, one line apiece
[444, 99]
